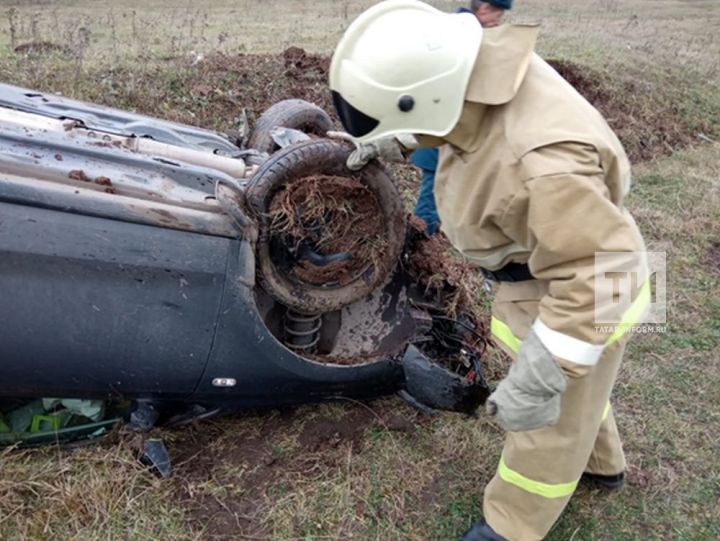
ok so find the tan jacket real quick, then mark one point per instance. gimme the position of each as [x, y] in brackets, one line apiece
[533, 173]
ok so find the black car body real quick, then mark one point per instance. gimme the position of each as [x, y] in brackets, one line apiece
[126, 270]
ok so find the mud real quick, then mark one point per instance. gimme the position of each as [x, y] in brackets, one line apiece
[348, 430]
[329, 215]
[204, 456]
[105, 181]
[79, 174]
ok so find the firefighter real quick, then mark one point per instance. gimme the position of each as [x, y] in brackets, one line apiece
[530, 187]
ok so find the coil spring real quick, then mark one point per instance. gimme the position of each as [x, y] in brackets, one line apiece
[302, 331]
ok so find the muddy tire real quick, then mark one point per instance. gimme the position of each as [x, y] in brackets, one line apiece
[322, 157]
[296, 114]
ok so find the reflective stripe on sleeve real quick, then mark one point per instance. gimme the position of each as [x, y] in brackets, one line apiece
[585, 353]
[566, 347]
[545, 490]
[633, 314]
[504, 334]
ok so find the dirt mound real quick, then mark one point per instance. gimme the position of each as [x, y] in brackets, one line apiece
[333, 225]
[299, 63]
[231, 83]
[645, 120]
[212, 92]
[585, 81]
[644, 117]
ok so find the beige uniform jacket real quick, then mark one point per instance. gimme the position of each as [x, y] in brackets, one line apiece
[533, 173]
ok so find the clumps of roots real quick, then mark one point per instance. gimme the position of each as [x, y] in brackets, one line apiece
[450, 288]
[447, 280]
[336, 217]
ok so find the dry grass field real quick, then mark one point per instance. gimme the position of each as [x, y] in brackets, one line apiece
[378, 471]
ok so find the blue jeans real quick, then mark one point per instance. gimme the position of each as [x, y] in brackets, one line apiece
[426, 159]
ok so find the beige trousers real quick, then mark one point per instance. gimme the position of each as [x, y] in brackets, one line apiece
[539, 469]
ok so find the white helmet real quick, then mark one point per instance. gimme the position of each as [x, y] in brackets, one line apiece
[403, 67]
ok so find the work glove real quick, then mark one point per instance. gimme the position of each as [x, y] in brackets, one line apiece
[529, 397]
[389, 149]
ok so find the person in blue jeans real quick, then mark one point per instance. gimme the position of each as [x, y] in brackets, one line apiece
[489, 13]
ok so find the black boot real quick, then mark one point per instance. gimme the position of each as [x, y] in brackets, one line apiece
[608, 482]
[481, 531]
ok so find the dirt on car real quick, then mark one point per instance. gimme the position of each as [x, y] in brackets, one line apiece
[82, 176]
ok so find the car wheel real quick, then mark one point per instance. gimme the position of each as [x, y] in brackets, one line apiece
[296, 114]
[310, 159]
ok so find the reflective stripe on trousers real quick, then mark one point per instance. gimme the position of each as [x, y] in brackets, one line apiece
[546, 490]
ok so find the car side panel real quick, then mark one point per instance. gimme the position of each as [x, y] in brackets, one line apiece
[91, 306]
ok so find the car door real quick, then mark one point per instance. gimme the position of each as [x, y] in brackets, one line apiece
[92, 305]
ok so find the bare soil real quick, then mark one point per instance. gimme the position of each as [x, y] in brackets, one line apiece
[300, 64]
[249, 463]
[646, 122]
[712, 257]
[331, 215]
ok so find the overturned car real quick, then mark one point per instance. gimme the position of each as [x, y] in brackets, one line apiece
[195, 274]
